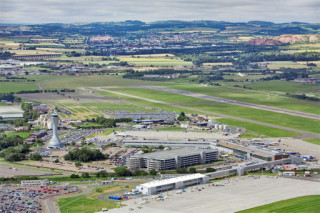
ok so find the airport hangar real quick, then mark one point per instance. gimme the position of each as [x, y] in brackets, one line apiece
[172, 159]
[159, 186]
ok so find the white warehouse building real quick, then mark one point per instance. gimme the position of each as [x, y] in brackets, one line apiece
[181, 182]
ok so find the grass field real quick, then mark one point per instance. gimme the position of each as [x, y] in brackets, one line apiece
[260, 115]
[90, 81]
[149, 60]
[274, 65]
[284, 86]
[305, 124]
[21, 134]
[157, 95]
[255, 130]
[89, 203]
[84, 59]
[7, 87]
[313, 140]
[273, 99]
[280, 119]
[306, 204]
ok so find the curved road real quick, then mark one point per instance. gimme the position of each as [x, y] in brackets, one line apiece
[304, 134]
[228, 101]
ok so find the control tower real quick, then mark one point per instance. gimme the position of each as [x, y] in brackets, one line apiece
[55, 142]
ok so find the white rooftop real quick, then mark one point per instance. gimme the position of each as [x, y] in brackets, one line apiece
[172, 180]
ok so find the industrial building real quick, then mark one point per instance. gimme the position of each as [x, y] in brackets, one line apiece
[172, 159]
[247, 151]
[170, 143]
[10, 112]
[181, 182]
[38, 134]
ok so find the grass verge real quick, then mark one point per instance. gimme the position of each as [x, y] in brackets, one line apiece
[307, 204]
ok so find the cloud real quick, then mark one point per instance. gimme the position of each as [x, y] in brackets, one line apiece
[69, 11]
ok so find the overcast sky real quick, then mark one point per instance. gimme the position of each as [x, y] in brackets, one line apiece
[70, 11]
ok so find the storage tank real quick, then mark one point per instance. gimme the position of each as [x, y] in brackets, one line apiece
[220, 126]
[225, 126]
[216, 126]
[75, 189]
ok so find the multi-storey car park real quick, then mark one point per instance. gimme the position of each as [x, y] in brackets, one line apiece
[172, 159]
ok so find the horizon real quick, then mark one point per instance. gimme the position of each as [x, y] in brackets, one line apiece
[146, 22]
[67, 11]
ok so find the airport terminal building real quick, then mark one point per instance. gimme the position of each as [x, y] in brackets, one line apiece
[172, 159]
[181, 182]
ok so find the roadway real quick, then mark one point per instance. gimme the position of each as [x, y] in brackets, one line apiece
[304, 134]
[228, 101]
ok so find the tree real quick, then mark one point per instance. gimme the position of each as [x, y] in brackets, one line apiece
[102, 174]
[161, 147]
[56, 160]
[36, 157]
[153, 172]
[78, 164]
[122, 171]
[83, 141]
[181, 170]
[192, 170]
[210, 170]
[182, 117]
[139, 173]
[85, 175]
[74, 176]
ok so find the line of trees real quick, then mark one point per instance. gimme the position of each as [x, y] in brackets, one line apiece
[85, 155]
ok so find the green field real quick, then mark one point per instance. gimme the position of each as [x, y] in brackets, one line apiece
[306, 204]
[284, 120]
[259, 97]
[84, 204]
[7, 87]
[313, 140]
[72, 82]
[21, 134]
[158, 95]
[295, 122]
[284, 86]
[155, 61]
[255, 130]
[89, 203]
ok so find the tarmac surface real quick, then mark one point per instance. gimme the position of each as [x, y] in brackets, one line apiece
[7, 172]
[304, 134]
[239, 194]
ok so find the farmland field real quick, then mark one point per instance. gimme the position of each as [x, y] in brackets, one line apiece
[306, 204]
[287, 64]
[149, 60]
